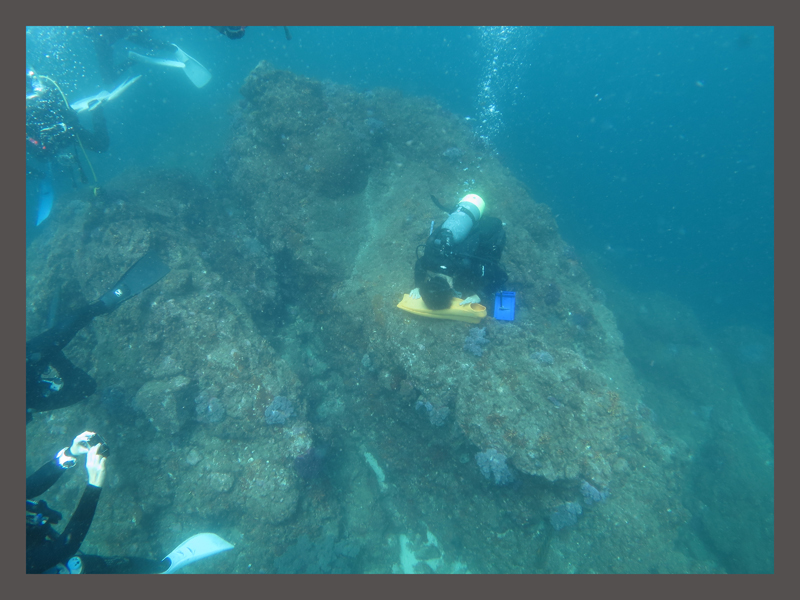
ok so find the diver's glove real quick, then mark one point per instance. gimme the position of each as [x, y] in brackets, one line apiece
[81, 445]
[414, 294]
[96, 466]
[474, 299]
[68, 457]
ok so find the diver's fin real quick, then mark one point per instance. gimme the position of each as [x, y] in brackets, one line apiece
[46, 196]
[152, 60]
[93, 102]
[89, 103]
[196, 547]
[148, 270]
[470, 313]
[122, 87]
[196, 72]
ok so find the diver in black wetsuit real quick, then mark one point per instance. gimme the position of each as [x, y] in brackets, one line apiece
[53, 131]
[461, 258]
[51, 125]
[51, 380]
[105, 37]
[237, 33]
[47, 551]
[232, 33]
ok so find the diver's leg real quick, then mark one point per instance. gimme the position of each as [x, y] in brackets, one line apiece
[56, 338]
[76, 385]
[121, 564]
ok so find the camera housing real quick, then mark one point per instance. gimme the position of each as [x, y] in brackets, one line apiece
[103, 450]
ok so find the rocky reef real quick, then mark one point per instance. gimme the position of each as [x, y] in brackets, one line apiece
[287, 266]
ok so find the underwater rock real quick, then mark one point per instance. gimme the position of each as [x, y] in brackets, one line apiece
[565, 515]
[493, 464]
[286, 274]
[325, 141]
[475, 341]
[279, 411]
[436, 414]
[591, 494]
[161, 402]
[209, 409]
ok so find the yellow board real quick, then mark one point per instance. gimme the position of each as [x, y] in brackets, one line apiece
[471, 313]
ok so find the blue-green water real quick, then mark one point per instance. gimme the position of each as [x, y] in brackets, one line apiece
[652, 146]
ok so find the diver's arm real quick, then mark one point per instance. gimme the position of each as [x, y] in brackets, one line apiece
[67, 544]
[81, 519]
[41, 481]
[48, 474]
[470, 284]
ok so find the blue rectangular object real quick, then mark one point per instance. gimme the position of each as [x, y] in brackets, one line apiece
[504, 304]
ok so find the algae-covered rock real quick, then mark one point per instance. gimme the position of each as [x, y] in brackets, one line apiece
[286, 273]
[164, 403]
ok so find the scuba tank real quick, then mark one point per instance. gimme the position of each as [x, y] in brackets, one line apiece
[458, 225]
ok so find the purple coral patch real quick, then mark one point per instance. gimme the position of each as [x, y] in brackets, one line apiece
[279, 411]
[493, 464]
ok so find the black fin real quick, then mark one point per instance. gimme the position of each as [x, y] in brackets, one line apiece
[148, 270]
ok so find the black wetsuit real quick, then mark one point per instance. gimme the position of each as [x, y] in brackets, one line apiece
[104, 38]
[45, 351]
[45, 547]
[52, 381]
[53, 134]
[474, 263]
[233, 33]
[51, 126]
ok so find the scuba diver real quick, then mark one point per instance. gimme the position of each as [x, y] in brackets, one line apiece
[232, 33]
[461, 257]
[158, 52]
[237, 33]
[51, 380]
[53, 135]
[104, 39]
[47, 551]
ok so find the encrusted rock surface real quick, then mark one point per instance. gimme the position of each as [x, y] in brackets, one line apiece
[285, 278]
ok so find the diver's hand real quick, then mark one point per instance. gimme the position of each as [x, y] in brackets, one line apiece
[474, 299]
[80, 445]
[96, 466]
[414, 294]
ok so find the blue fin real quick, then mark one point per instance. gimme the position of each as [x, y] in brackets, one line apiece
[46, 197]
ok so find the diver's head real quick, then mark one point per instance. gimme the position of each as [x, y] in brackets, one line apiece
[233, 33]
[436, 292]
[460, 222]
